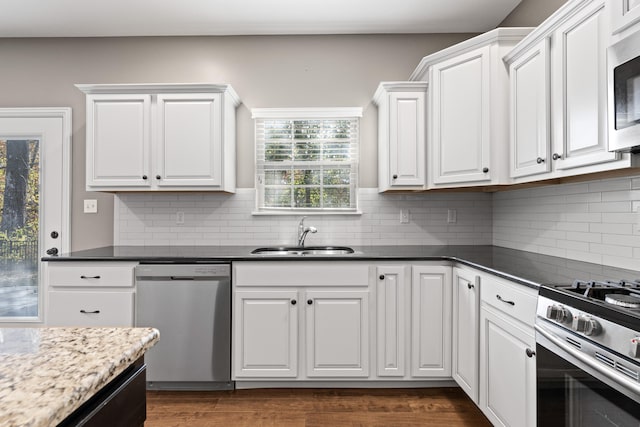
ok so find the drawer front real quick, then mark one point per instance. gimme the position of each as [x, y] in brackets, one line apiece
[300, 273]
[92, 274]
[71, 308]
[516, 300]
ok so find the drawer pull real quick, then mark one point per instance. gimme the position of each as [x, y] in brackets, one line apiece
[90, 312]
[504, 300]
[89, 277]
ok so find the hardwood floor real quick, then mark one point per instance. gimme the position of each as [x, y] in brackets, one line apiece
[313, 407]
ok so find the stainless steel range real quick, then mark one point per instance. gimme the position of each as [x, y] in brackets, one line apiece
[588, 353]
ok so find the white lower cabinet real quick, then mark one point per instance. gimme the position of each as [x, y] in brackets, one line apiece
[507, 353]
[413, 321]
[337, 333]
[266, 338]
[87, 293]
[300, 321]
[466, 333]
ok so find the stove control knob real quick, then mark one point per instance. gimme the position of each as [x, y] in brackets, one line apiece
[635, 347]
[586, 325]
[559, 314]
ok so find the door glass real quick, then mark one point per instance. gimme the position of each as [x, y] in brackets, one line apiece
[19, 227]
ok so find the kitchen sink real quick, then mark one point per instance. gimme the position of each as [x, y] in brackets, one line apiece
[302, 251]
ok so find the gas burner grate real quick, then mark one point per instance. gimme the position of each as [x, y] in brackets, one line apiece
[588, 287]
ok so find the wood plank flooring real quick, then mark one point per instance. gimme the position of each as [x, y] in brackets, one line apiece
[313, 407]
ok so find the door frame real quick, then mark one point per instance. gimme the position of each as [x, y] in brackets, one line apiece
[63, 244]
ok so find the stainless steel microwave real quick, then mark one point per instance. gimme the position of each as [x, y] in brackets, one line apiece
[623, 74]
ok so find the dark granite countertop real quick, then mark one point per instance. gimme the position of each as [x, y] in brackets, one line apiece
[527, 268]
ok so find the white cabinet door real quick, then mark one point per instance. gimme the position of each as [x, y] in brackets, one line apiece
[431, 321]
[460, 127]
[118, 140]
[189, 144]
[507, 373]
[391, 324]
[466, 333]
[407, 139]
[337, 333]
[265, 334]
[530, 110]
[579, 88]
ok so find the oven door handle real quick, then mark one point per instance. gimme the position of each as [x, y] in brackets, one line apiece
[611, 377]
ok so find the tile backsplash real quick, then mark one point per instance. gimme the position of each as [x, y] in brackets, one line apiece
[226, 219]
[594, 221]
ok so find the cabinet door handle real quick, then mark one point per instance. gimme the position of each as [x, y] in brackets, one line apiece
[89, 312]
[470, 286]
[144, 177]
[556, 156]
[309, 301]
[539, 160]
[89, 277]
[293, 302]
[530, 353]
[504, 300]
[382, 277]
[395, 176]
[158, 177]
[485, 170]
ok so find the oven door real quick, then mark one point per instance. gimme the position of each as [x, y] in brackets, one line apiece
[574, 391]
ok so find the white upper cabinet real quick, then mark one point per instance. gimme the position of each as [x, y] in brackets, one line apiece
[160, 137]
[530, 107]
[401, 135]
[559, 96]
[623, 15]
[467, 134]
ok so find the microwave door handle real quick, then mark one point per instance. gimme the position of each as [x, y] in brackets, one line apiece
[613, 379]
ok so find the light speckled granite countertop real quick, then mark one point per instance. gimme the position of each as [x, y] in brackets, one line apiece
[47, 373]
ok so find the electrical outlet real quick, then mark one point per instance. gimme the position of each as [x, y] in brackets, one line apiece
[404, 216]
[452, 216]
[90, 206]
[179, 217]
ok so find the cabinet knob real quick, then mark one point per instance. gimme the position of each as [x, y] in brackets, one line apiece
[530, 353]
[309, 301]
[556, 156]
[54, 234]
[293, 302]
[485, 170]
[382, 277]
[52, 251]
[158, 177]
[144, 177]
[395, 176]
[470, 286]
[539, 160]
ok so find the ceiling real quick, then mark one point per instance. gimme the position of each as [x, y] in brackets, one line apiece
[88, 18]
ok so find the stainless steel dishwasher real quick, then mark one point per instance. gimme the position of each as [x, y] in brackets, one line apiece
[190, 304]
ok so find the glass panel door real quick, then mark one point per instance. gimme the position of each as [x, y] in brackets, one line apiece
[19, 227]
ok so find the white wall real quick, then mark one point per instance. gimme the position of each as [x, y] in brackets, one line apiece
[222, 219]
[594, 221]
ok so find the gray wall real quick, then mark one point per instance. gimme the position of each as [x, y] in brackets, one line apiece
[266, 71]
[531, 13]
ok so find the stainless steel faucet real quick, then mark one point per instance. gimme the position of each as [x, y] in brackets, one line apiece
[303, 231]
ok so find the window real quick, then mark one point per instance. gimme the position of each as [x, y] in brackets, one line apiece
[307, 159]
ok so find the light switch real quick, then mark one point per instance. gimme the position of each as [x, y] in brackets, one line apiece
[90, 206]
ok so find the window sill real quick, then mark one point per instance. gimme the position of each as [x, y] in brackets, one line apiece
[303, 212]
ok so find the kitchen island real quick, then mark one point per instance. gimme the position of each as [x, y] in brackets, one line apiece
[54, 376]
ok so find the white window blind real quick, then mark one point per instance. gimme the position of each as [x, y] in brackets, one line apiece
[307, 159]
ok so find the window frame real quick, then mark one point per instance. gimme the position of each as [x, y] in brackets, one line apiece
[311, 114]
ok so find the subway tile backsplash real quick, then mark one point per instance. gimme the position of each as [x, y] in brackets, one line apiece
[226, 219]
[594, 221]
